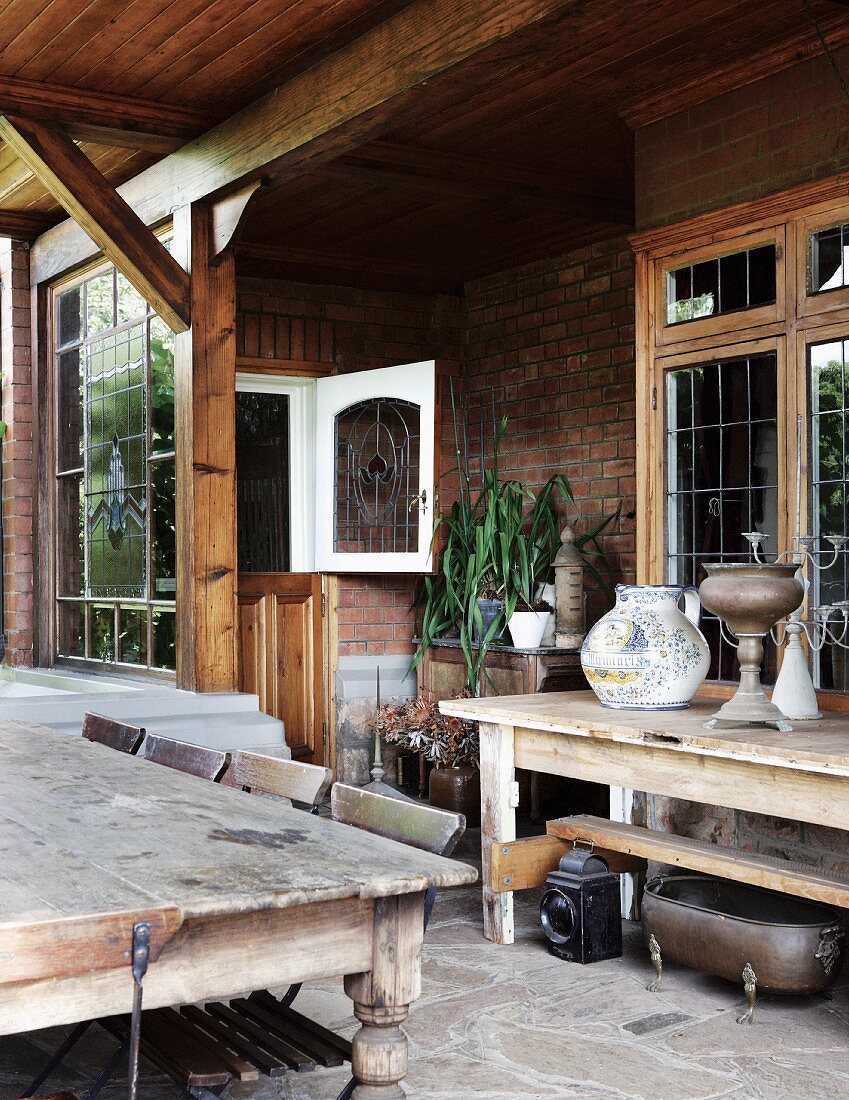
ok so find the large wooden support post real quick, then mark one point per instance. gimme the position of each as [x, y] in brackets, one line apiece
[205, 413]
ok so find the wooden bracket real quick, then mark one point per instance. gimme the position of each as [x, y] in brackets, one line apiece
[523, 864]
[105, 217]
[228, 218]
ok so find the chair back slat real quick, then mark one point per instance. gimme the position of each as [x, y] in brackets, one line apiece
[112, 733]
[274, 775]
[180, 755]
[424, 827]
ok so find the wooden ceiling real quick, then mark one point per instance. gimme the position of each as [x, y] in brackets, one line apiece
[522, 151]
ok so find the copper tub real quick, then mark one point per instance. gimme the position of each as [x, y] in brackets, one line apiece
[788, 944]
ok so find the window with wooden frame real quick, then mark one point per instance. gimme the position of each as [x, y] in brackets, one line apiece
[743, 397]
[112, 444]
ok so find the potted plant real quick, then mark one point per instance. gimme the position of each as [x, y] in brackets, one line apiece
[451, 744]
[498, 544]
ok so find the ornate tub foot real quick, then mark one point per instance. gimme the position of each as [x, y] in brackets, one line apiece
[657, 962]
[750, 986]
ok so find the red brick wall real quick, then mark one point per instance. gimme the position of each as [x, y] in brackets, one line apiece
[18, 475]
[788, 129]
[554, 342]
[356, 330]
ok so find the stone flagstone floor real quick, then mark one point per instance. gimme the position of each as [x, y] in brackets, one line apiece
[513, 1023]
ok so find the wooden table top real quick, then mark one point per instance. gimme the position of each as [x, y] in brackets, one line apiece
[86, 830]
[819, 746]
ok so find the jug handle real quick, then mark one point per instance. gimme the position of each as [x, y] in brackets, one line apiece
[692, 604]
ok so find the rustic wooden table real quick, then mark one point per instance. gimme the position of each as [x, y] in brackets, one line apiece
[803, 774]
[242, 893]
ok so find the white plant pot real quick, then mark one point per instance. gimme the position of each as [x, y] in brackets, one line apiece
[527, 628]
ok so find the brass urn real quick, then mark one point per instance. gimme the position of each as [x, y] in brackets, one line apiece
[750, 599]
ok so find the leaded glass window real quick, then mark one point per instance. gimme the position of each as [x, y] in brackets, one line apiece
[721, 284]
[828, 265]
[377, 477]
[114, 408]
[722, 471]
[829, 366]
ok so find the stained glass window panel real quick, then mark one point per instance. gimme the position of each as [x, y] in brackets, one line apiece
[377, 444]
[114, 487]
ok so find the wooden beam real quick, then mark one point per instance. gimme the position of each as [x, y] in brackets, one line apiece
[205, 416]
[457, 174]
[352, 96]
[24, 225]
[102, 214]
[102, 116]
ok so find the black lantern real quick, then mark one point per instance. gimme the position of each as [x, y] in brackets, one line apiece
[581, 911]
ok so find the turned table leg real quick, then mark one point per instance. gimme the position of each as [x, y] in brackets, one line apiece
[382, 997]
[498, 823]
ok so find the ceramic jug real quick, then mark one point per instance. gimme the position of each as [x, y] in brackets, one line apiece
[647, 654]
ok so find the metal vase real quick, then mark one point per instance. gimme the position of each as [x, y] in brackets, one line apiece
[750, 598]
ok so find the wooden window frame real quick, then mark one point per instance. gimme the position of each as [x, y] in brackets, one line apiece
[797, 320]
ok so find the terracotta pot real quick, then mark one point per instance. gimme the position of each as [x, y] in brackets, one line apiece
[459, 790]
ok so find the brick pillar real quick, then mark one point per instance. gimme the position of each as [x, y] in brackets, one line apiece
[18, 471]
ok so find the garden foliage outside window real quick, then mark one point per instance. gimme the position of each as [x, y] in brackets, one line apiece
[114, 432]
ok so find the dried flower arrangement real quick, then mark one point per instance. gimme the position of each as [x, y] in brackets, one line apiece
[418, 725]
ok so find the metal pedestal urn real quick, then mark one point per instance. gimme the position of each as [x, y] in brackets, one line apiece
[647, 654]
[750, 599]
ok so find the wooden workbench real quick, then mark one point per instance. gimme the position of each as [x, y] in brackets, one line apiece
[242, 893]
[803, 774]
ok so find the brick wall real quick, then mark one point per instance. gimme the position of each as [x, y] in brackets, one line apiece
[788, 129]
[356, 330]
[18, 476]
[553, 341]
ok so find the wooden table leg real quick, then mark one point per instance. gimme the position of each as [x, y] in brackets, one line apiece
[498, 823]
[383, 996]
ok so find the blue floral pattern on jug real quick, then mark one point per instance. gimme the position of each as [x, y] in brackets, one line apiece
[647, 654]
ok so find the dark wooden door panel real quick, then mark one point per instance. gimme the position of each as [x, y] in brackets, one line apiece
[281, 648]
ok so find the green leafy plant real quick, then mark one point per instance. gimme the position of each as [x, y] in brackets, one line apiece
[496, 542]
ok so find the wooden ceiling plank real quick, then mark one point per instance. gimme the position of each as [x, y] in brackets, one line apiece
[42, 23]
[148, 37]
[244, 76]
[228, 23]
[199, 45]
[687, 91]
[354, 94]
[454, 172]
[98, 208]
[76, 69]
[72, 35]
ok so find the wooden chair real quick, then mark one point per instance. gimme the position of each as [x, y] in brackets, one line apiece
[262, 1033]
[112, 733]
[183, 757]
[255, 772]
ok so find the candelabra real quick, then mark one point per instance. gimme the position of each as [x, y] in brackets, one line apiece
[794, 692]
